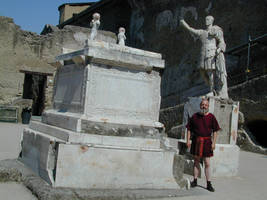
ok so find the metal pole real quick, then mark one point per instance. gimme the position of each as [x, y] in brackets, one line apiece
[248, 59]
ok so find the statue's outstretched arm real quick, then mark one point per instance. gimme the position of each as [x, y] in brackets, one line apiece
[190, 29]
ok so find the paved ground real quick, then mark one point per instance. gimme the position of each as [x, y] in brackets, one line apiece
[249, 184]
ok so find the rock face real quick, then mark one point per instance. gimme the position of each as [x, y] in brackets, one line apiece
[23, 50]
[253, 98]
[247, 142]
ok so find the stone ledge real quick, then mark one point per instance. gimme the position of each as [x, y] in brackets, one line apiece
[114, 55]
[114, 127]
[245, 143]
[14, 170]
[90, 138]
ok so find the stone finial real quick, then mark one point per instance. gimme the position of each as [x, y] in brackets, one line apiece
[121, 36]
[94, 24]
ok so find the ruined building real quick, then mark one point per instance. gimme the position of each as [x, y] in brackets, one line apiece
[69, 10]
[26, 78]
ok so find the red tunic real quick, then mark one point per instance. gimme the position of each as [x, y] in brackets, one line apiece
[201, 128]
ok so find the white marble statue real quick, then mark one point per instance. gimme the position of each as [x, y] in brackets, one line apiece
[94, 24]
[121, 36]
[221, 74]
[212, 62]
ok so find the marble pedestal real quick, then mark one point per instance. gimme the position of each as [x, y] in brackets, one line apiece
[103, 131]
[226, 155]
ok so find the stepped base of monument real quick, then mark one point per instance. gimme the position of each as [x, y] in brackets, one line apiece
[224, 163]
[80, 123]
[16, 171]
[226, 154]
[65, 158]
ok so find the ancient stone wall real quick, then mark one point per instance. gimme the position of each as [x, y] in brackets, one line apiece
[253, 97]
[68, 10]
[24, 50]
[19, 50]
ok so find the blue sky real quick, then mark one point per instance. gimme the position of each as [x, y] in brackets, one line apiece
[32, 15]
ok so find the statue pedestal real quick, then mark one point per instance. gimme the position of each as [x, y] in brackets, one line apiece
[226, 155]
[103, 131]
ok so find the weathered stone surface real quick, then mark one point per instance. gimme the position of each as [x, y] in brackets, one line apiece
[98, 135]
[115, 55]
[171, 116]
[129, 163]
[7, 175]
[253, 98]
[247, 141]
[112, 129]
[109, 84]
[225, 162]
[39, 153]
[30, 51]
[177, 132]
[118, 167]
[253, 104]
[43, 191]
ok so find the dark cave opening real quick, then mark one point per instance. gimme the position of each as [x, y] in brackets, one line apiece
[258, 130]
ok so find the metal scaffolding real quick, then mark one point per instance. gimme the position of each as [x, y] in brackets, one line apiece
[257, 46]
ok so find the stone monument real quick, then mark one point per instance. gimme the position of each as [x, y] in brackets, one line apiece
[211, 59]
[212, 67]
[103, 131]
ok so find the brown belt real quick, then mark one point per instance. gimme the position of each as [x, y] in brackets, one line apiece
[200, 144]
